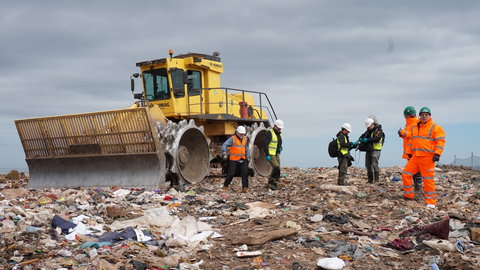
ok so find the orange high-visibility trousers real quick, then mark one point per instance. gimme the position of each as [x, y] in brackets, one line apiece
[426, 166]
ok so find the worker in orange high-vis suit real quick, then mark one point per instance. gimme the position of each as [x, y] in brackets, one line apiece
[427, 141]
[411, 119]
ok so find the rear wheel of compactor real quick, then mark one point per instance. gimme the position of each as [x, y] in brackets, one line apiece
[258, 162]
[187, 151]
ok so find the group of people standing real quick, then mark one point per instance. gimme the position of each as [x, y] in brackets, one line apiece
[371, 142]
[423, 143]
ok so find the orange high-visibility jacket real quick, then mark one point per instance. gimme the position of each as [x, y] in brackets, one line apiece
[406, 139]
[238, 150]
[426, 140]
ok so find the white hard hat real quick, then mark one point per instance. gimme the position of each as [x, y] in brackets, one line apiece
[368, 122]
[373, 117]
[279, 123]
[347, 126]
[241, 130]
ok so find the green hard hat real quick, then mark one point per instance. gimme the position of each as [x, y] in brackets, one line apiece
[425, 109]
[409, 110]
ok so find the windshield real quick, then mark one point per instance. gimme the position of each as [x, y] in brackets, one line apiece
[194, 82]
[156, 84]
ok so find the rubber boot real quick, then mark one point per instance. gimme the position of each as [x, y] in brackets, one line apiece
[370, 176]
[272, 184]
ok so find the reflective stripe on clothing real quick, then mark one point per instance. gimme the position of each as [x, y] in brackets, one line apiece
[425, 166]
[343, 150]
[427, 139]
[272, 146]
[377, 145]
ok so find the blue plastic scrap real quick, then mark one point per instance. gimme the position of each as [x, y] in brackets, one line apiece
[63, 224]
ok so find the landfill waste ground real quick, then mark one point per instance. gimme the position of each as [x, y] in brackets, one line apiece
[307, 221]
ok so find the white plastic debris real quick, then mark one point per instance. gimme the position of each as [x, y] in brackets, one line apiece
[79, 229]
[331, 263]
[440, 245]
[316, 218]
[206, 218]
[141, 237]
[243, 247]
[121, 192]
[79, 219]
[242, 254]
[159, 217]
[187, 266]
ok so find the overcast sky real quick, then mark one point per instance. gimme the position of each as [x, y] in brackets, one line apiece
[322, 63]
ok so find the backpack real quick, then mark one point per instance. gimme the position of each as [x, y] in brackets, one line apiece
[333, 148]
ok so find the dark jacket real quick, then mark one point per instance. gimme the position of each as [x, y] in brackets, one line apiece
[268, 138]
[377, 136]
[344, 143]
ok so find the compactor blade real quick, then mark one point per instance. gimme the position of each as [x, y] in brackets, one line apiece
[111, 148]
[258, 161]
[144, 170]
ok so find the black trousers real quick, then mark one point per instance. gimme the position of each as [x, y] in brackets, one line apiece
[233, 166]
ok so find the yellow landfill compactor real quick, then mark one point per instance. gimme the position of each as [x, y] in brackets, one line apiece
[174, 131]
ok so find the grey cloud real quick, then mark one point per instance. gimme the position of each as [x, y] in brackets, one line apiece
[321, 62]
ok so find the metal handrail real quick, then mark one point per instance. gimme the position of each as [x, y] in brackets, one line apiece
[226, 89]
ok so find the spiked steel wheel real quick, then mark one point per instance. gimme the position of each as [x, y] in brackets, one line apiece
[258, 162]
[188, 149]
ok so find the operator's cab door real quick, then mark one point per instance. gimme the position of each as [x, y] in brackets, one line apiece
[186, 91]
[194, 92]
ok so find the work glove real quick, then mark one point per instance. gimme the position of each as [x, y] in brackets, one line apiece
[224, 156]
[436, 157]
[280, 150]
[363, 140]
[400, 133]
[353, 144]
[409, 156]
[269, 158]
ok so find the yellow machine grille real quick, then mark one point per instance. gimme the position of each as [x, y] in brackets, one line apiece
[127, 131]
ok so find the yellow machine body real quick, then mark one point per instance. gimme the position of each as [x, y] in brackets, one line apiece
[188, 87]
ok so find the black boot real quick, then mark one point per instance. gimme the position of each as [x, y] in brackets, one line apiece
[376, 177]
[370, 176]
[417, 180]
[272, 184]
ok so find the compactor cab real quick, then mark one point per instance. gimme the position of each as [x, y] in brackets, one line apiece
[172, 133]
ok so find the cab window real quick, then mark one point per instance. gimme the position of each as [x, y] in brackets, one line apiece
[178, 82]
[156, 84]
[194, 83]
